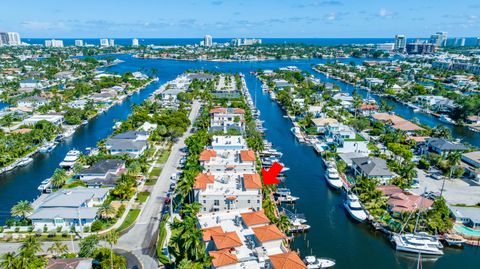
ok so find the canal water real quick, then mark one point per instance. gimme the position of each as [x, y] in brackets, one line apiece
[333, 234]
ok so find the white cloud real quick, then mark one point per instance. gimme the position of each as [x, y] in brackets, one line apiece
[41, 26]
[384, 13]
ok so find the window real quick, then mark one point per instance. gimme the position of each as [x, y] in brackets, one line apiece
[258, 201]
[248, 201]
[204, 201]
[216, 202]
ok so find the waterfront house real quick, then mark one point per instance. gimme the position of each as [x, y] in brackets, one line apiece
[32, 102]
[103, 173]
[443, 146]
[471, 164]
[52, 118]
[200, 76]
[473, 120]
[79, 103]
[436, 103]
[397, 123]
[373, 81]
[171, 94]
[106, 96]
[245, 237]
[322, 123]
[282, 84]
[68, 207]
[70, 263]
[367, 109]
[372, 167]
[469, 216]
[315, 110]
[225, 119]
[132, 143]
[400, 201]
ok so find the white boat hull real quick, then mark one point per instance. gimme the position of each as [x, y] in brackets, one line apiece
[358, 215]
[334, 183]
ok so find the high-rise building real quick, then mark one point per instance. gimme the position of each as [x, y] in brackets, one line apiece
[478, 41]
[439, 39]
[111, 42]
[79, 43]
[387, 47]
[13, 39]
[104, 42]
[400, 42]
[54, 43]
[135, 42]
[420, 48]
[461, 42]
[208, 41]
[3, 39]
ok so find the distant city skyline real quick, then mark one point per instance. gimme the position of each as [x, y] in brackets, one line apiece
[247, 18]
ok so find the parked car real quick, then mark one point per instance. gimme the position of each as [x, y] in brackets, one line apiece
[437, 176]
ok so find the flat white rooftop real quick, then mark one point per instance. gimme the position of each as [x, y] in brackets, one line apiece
[220, 142]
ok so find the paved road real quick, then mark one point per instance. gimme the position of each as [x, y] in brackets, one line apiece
[14, 247]
[142, 237]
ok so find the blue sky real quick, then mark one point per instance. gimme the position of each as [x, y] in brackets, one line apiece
[235, 18]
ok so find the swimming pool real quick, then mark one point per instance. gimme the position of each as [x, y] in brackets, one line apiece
[466, 230]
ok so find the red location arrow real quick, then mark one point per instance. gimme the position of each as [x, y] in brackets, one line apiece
[270, 176]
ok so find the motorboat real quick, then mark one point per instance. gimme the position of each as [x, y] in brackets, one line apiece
[45, 186]
[284, 195]
[48, 147]
[84, 122]
[296, 226]
[24, 161]
[417, 243]
[313, 262]
[59, 138]
[454, 240]
[68, 132]
[354, 208]
[333, 179]
[70, 159]
[297, 132]
[446, 119]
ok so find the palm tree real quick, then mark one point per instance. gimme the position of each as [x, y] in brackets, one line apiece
[31, 245]
[22, 209]
[453, 159]
[59, 178]
[8, 260]
[283, 223]
[58, 248]
[191, 210]
[112, 239]
[106, 211]
[408, 172]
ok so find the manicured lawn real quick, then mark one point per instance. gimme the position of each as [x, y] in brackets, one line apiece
[155, 172]
[164, 156]
[129, 220]
[150, 181]
[142, 196]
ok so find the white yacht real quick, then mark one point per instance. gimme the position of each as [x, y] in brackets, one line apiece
[417, 243]
[45, 186]
[70, 159]
[354, 208]
[454, 240]
[68, 132]
[446, 119]
[24, 161]
[333, 179]
[313, 262]
[284, 195]
[298, 133]
[47, 147]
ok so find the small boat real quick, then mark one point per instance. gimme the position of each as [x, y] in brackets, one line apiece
[24, 161]
[333, 179]
[296, 226]
[313, 262]
[446, 119]
[284, 195]
[84, 122]
[59, 138]
[70, 159]
[48, 147]
[354, 208]
[454, 240]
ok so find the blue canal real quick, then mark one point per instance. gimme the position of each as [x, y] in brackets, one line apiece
[333, 234]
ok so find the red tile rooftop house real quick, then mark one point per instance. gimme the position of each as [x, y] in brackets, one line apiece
[226, 119]
[400, 201]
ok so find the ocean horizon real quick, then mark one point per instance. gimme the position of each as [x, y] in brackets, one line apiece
[192, 41]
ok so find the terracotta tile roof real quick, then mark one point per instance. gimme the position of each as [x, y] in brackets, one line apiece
[238, 111]
[207, 154]
[72, 263]
[404, 202]
[397, 122]
[407, 126]
[226, 240]
[252, 181]
[418, 139]
[368, 107]
[247, 155]
[255, 218]
[201, 181]
[289, 260]
[324, 121]
[268, 233]
[21, 131]
[218, 110]
[389, 189]
[222, 258]
[209, 232]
